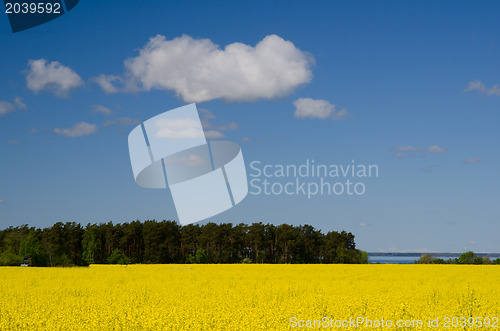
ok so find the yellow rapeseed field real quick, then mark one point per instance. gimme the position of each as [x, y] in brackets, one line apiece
[250, 297]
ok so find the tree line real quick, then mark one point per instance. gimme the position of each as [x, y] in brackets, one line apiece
[465, 258]
[71, 244]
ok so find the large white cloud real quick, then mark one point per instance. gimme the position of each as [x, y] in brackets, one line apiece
[77, 130]
[198, 70]
[322, 109]
[52, 76]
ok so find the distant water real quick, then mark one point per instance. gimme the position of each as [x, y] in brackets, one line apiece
[398, 259]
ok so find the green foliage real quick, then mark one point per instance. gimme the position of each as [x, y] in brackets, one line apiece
[425, 259]
[246, 260]
[90, 244]
[469, 258]
[466, 258]
[66, 244]
[9, 258]
[116, 257]
[199, 257]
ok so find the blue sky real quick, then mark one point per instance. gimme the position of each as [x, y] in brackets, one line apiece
[413, 87]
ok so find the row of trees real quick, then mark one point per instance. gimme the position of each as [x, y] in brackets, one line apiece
[66, 244]
[466, 258]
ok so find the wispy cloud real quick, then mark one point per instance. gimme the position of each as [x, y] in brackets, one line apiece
[472, 160]
[52, 76]
[178, 128]
[428, 169]
[409, 151]
[435, 149]
[102, 110]
[322, 109]
[123, 121]
[191, 160]
[7, 107]
[407, 148]
[2, 201]
[77, 130]
[477, 85]
[213, 130]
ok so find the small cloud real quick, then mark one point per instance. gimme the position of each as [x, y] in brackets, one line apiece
[213, 131]
[435, 149]
[106, 83]
[363, 224]
[178, 128]
[34, 131]
[123, 121]
[78, 130]
[407, 148]
[18, 102]
[409, 151]
[472, 160]
[102, 110]
[472, 242]
[2, 201]
[477, 85]
[322, 109]
[427, 169]
[260, 139]
[191, 160]
[207, 117]
[7, 107]
[213, 134]
[51, 76]
[13, 142]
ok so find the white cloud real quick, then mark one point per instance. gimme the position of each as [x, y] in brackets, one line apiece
[51, 76]
[407, 148]
[106, 83]
[472, 160]
[7, 107]
[435, 149]
[481, 87]
[18, 102]
[78, 130]
[123, 121]
[2, 201]
[214, 134]
[178, 128]
[101, 109]
[363, 224]
[409, 151]
[13, 142]
[322, 109]
[212, 131]
[191, 160]
[198, 70]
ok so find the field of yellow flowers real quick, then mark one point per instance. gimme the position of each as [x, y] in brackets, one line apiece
[250, 297]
